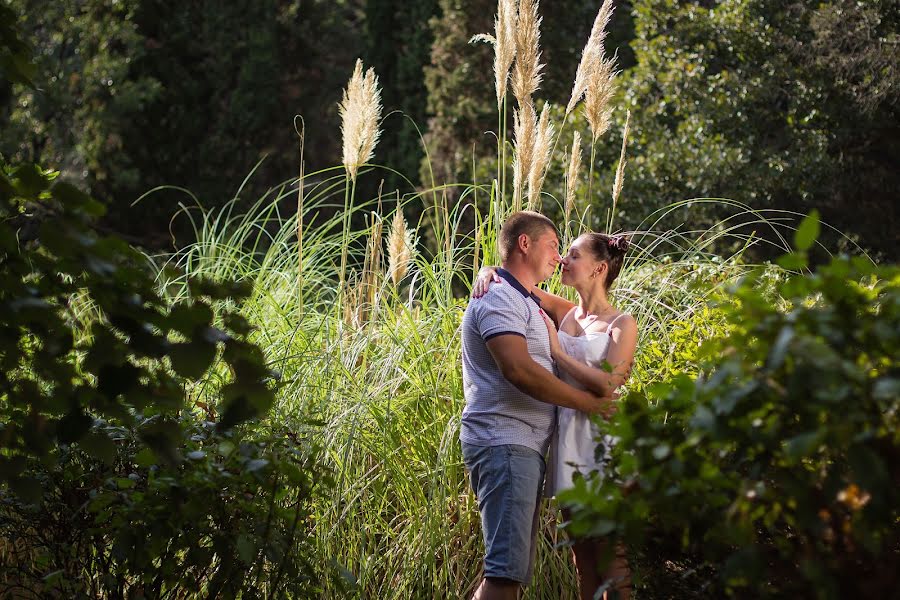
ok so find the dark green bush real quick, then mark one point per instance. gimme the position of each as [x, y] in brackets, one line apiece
[113, 480]
[776, 472]
[234, 517]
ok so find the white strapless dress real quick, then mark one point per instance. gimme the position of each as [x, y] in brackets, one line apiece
[578, 447]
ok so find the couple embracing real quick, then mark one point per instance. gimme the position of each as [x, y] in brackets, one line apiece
[532, 375]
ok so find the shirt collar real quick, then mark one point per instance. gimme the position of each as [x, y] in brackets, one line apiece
[518, 286]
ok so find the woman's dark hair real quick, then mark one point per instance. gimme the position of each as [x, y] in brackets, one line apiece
[609, 248]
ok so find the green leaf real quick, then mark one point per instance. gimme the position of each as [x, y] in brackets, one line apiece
[28, 489]
[11, 466]
[601, 527]
[72, 196]
[163, 437]
[186, 318]
[30, 181]
[801, 445]
[780, 348]
[145, 458]
[191, 359]
[794, 261]
[255, 465]
[237, 323]
[661, 451]
[244, 401]
[886, 388]
[246, 549]
[807, 232]
[870, 470]
[54, 577]
[98, 445]
[117, 379]
[703, 419]
[73, 427]
[17, 68]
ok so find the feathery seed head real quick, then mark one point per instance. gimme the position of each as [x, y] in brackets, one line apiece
[601, 85]
[352, 294]
[620, 170]
[504, 43]
[401, 246]
[540, 159]
[372, 266]
[360, 112]
[593, 51]
[524, 126]
[572, 175]
[526, 76]
[505, 29]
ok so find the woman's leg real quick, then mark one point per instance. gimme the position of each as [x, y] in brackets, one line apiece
[619, 573]
[588, 554]
[586, 561]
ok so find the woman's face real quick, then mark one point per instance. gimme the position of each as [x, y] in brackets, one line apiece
[579, 263]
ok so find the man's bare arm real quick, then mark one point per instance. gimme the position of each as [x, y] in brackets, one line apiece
[510, 352]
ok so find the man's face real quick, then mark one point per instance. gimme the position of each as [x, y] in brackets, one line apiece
[544, 255]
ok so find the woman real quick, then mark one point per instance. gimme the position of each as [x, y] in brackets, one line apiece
[591, 335]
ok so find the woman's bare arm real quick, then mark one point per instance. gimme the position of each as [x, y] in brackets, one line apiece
[555, 306]
[620, 357]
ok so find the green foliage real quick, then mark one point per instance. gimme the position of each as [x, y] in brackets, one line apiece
[110, 484]
[776, 468]
[131, 96]
[86, 94]
[768, 103]
[109, 480]
[132, 359]
[234, 517]
[15, 56]
[459, 83]
[399, 42]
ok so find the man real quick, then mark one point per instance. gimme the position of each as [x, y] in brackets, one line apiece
[510, 392]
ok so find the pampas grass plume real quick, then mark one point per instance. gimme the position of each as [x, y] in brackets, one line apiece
[572, 175]
[620, 170]
[540, 158]
[360, 112]
[526, 76]
[401, 246]
[504, 42]
[524, 130]
[591, 55]
[601, 86]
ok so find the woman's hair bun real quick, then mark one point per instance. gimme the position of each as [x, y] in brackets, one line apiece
[618, 243]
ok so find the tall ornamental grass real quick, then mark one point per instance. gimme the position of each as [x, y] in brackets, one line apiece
[384, 379]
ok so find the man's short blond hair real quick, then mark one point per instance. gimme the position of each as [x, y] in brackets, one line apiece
[530, 223]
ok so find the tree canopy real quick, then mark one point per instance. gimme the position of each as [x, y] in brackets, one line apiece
[784, 106]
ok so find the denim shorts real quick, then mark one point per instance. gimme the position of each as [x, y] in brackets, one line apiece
[507, 481]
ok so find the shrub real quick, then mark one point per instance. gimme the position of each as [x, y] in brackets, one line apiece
[776, 470]
[233, 518]
[109, 481]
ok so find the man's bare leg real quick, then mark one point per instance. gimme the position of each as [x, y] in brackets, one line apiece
[494, 588]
